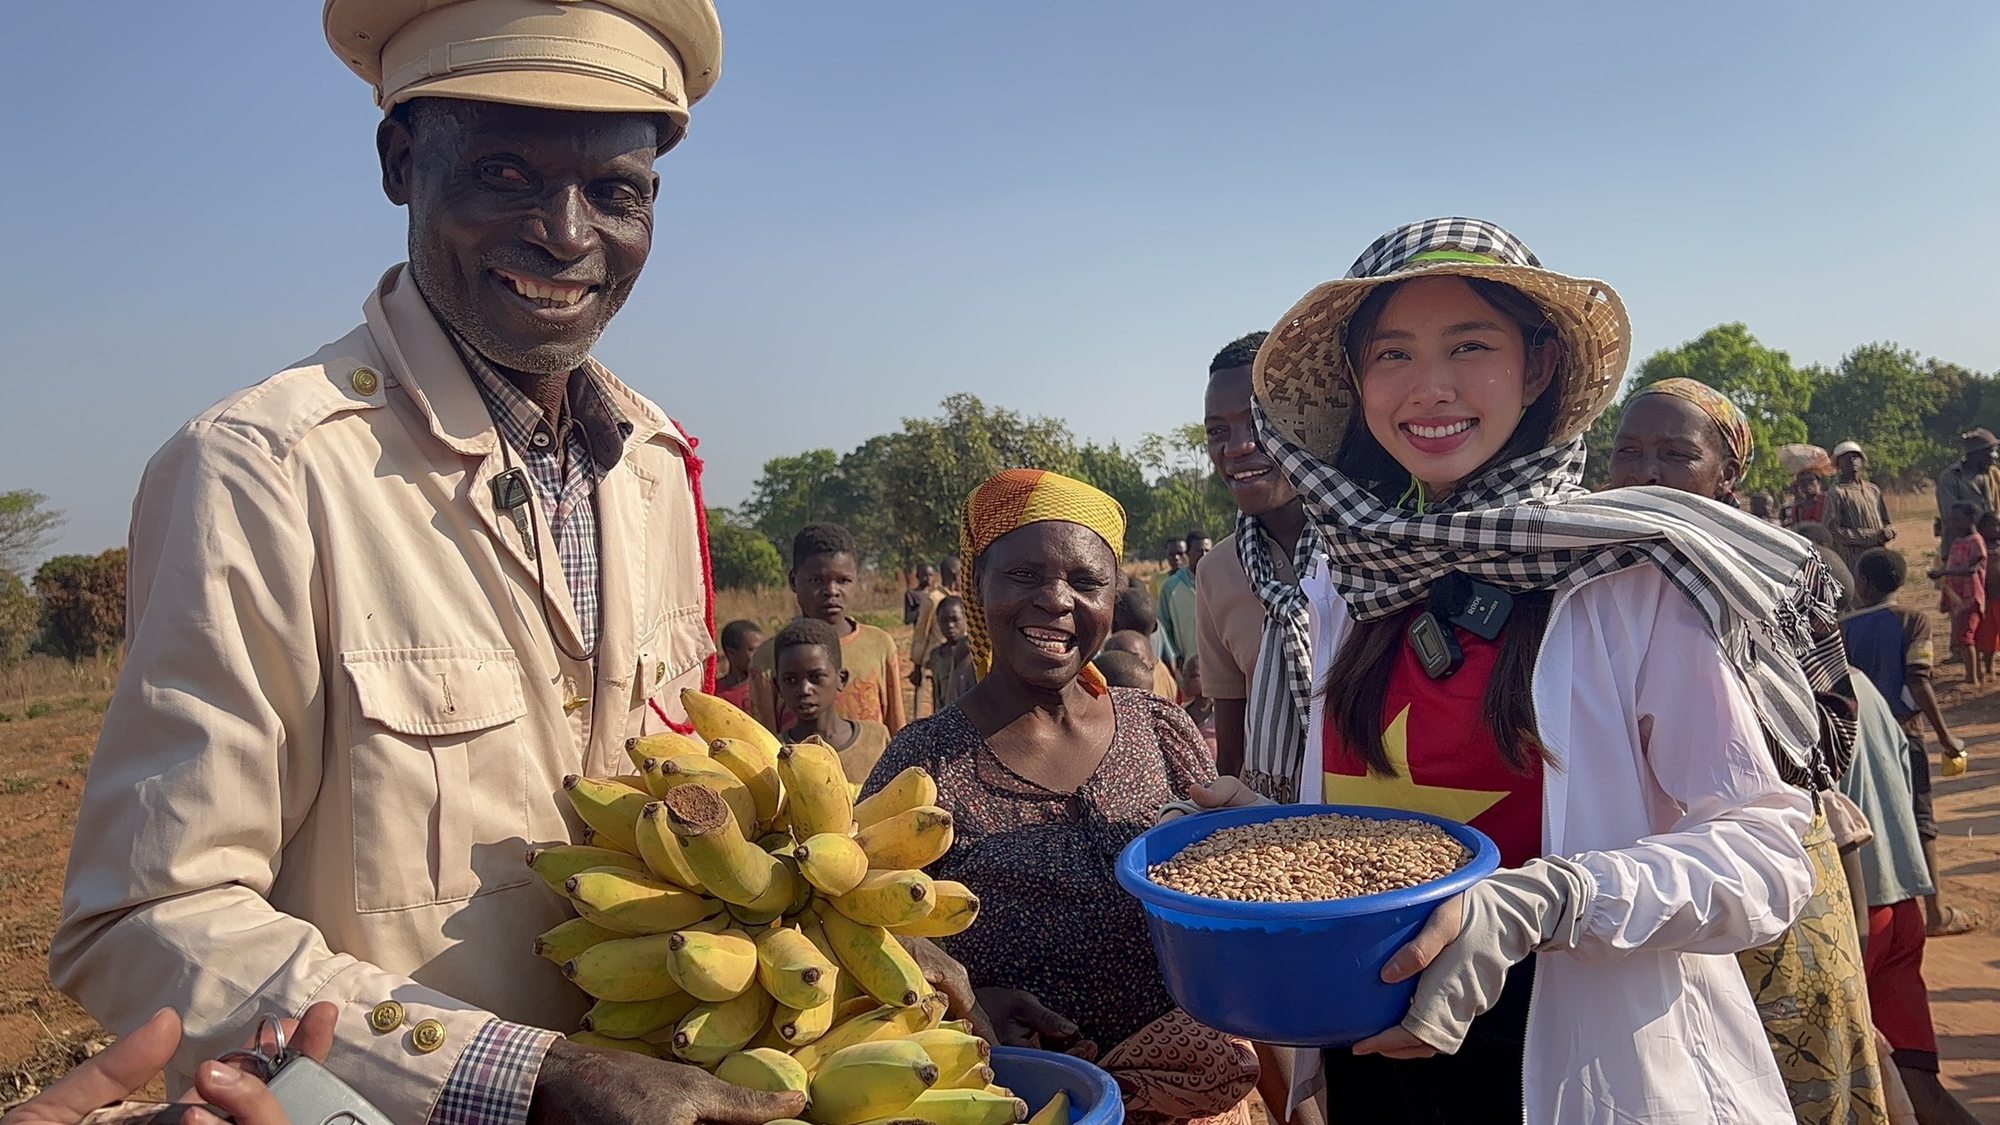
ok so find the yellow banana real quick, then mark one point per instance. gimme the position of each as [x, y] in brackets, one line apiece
[665, 744]
[766, 1069]
[1054, 1113]
[555, 865]
[713, 1032]
[816, 790]
[712, 967]
[797, 1027]
[915, 838]
[624, 969]
[956, 1055]
[978, 1078]
[832, 862]
[1000, 1092]
[631, 1019]
[610, 808]
[632, 903]
[912, 788]
[566, 940]
[754, 766]
[875, 959]
[966, 1107]
[792, 969]
[869, 1080]
[661, 850]
[673, 773]
[887, 898]
[884, 1022]
[954, 908]
[730, 867]
[607, 1043]
[715, 718]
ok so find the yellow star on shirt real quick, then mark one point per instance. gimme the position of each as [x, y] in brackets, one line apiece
[1401, 791]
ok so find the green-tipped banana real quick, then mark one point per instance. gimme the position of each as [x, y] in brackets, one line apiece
[567, 939]
[714, 718]
[608, 1043]
[966, 1107]
[631, 1019]
[912, 788]
[916, 838]
[730, 867]
[633, 903]
[816, 792]
[766, 1069]
[832, 862]
[875, 959]
[957, 1056]
[793, 970]
[757, 768]
[954, 908]
[1054, 1113]
[661, 849]
[712, 967]
[713, 1032]
[884, 1022]
[610, 808]
[665, 744]
[887, 898]
[797, 1027]
[624, 969]
[869, 1080]
[555, 865]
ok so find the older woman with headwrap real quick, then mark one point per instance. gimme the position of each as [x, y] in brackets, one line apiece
[1048, 774]
[1683, 435]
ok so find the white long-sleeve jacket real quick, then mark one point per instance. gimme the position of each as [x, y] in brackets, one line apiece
[1664, 793]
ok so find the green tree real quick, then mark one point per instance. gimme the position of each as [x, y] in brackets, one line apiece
[793, 492]
[1186, 493]
[26, 526]
[743, 558]
[1772, 393]
[1891, 402]
[20, 619]
[83, 603]
[935, 463]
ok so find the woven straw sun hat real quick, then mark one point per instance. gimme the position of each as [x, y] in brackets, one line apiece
[1301, 376]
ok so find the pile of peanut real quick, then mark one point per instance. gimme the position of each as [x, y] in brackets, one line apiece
[1312, 859]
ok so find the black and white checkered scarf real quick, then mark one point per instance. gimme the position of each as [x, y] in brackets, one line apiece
[1527, 524]
[1275, 734]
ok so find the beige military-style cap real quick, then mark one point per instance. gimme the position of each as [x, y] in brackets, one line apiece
[618, 56]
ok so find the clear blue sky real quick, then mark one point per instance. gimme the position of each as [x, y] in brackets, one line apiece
[1062, 207]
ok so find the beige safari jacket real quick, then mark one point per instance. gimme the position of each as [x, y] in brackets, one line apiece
[343, 721]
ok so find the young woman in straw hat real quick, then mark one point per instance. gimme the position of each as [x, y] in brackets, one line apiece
[1608, 685]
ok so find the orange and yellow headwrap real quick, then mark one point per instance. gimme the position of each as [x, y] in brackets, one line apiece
[1017, 498]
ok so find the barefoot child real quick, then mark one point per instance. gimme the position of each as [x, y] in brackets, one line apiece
[1987, 639]
[1962, 580]
[810, 680]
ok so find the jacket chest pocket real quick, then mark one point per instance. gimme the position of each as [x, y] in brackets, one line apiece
[670, 657]
[439, 775]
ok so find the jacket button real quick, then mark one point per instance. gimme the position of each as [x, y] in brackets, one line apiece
[365, 381]
[387, 1017]
[427, 1036]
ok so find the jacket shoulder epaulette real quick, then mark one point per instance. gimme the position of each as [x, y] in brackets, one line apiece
[340, 378]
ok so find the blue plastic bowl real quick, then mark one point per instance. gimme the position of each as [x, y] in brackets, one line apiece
[1035, 1076]
[1299, 974]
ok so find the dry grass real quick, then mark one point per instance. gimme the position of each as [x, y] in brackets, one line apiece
[1910, 505]
[41, 684]
[879, 603]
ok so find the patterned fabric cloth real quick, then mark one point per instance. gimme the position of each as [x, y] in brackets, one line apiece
[1527, 524]
[563, 461]
[1175, 1069]
[1281, 690]
[495, 1077]
[1812, 996]
[1727, 416]
[1017, 498]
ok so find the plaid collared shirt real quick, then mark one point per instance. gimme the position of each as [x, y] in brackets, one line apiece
[564, 463]
[494, 1080]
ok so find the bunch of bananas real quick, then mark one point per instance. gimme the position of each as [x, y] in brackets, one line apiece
[738, 910]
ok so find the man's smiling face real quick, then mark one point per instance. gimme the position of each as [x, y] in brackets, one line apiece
[528, 227]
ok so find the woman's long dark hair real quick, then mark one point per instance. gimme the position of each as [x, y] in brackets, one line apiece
[1357, 685]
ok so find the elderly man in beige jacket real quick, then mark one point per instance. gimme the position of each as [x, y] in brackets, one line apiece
[383, 601]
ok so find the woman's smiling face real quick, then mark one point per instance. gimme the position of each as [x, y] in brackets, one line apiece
[1445, 378]
[1048, 589]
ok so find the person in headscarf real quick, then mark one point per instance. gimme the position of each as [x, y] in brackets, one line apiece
[1607, 684]
[1809, 985]
[1048, 773]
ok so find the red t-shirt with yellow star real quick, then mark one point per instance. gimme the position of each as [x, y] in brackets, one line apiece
[1445, 759]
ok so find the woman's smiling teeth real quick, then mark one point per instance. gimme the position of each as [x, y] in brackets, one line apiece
[1444, 431]
[1251, 474]
[549, 294]
[1049, 640]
